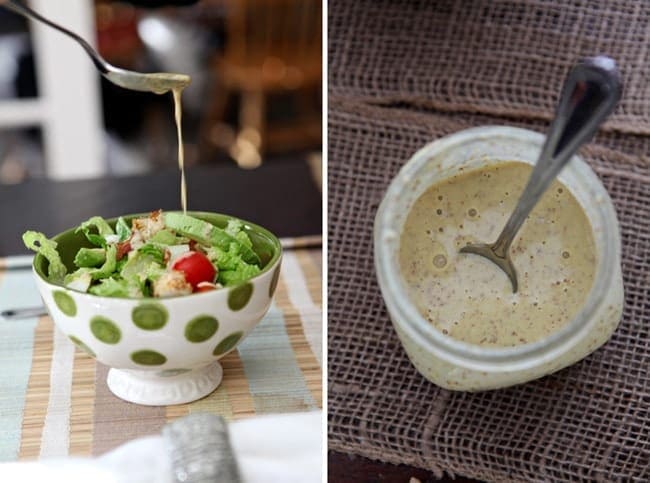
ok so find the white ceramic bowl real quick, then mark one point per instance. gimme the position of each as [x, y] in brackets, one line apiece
[162, 351]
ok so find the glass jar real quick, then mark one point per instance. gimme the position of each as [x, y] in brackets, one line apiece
[458, 365]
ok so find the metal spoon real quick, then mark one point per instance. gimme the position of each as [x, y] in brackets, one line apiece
[158, 83]
[589, 95]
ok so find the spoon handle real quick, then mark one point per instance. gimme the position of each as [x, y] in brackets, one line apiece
[25, 11]
[590, 93]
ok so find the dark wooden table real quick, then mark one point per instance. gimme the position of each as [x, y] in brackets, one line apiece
[280, 196]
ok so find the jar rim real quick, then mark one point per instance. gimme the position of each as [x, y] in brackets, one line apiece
[462, 353]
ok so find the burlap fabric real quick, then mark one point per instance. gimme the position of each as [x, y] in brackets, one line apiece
[491, 56]
[405, 73]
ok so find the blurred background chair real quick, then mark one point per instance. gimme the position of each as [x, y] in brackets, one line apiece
[63, 103]
[271, 64]
[255, 92]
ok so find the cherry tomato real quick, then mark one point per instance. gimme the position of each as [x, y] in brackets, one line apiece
[196, 267]
[205, 287]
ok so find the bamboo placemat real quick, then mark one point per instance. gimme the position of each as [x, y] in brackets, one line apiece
[54, 400]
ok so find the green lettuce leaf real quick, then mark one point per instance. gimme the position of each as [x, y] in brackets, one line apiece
[140, 267]
[164, 237]
[233, 277]
[154, 251]
[102, 227]
[90, 257]
[210, 235]
[111, 287]
[230, 265]
[235, 229]
[122, 229]
[41, 244]
[79, 280]
[108, 268]
[167, 237]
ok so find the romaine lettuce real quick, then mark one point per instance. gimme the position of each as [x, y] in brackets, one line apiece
[41, 244]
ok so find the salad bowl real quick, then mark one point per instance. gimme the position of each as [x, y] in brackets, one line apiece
[162, 351]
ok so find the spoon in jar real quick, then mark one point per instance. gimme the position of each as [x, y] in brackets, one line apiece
[158, 83]
[590, 93]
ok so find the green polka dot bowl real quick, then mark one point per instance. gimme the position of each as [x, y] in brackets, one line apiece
[162, 351]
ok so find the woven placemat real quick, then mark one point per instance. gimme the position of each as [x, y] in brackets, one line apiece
[55, 401]
[403, 73]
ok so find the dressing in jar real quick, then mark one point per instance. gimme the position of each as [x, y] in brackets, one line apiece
[456, 314]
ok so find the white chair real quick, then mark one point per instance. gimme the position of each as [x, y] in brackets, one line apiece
[68, 107]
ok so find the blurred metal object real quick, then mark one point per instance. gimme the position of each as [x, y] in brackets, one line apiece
[200, 449]
[23, 313]
[159, 83]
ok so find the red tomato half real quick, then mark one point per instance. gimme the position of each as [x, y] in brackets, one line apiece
[196, 267]
[205, 287]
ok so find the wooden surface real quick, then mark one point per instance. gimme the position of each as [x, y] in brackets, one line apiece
[280, 196]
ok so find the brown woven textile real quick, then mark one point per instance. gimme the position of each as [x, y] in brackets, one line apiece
[589, 422]
[491, 56]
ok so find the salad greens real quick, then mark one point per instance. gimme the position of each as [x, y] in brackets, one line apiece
[46, 247]
[164, 254]
[209, 235]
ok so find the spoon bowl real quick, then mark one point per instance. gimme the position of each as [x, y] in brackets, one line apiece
[158, 83]
[590, 93]
[502, 261]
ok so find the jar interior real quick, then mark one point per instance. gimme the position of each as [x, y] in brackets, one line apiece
[474, 149]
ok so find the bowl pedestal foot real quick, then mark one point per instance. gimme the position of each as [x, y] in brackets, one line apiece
[164, 387]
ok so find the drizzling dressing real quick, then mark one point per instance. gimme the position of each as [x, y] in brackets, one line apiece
[181, 152]
[161, 83]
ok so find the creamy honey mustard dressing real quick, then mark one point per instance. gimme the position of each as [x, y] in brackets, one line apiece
[161, 83]
[178, 110]
[469, 298]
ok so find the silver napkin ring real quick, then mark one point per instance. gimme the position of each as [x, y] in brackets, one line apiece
[200, 450]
